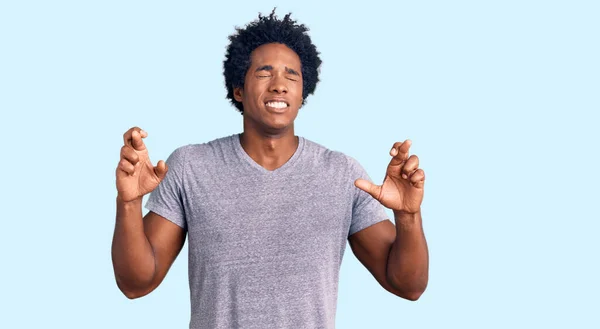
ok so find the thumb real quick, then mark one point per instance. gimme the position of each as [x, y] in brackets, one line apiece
[161, 169]
[368, 187]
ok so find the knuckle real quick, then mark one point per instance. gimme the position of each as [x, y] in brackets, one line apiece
[129, 153]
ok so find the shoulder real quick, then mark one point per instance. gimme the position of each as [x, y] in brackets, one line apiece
[202, 150]
[324, 156]
[200, 154]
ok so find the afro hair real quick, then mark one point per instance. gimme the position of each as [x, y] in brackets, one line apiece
[265, 30]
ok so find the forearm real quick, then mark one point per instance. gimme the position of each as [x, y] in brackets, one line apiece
[408, 261]
[132, 254]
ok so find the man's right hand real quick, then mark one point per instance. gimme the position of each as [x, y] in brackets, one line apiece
[135, 174]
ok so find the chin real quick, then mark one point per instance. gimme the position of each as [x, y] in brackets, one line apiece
[280, 122]
[277, 126]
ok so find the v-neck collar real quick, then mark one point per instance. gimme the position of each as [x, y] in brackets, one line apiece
[237, 145]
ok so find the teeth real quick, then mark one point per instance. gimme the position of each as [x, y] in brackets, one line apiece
[277, 105]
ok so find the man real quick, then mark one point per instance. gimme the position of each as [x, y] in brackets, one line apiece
[267, 213]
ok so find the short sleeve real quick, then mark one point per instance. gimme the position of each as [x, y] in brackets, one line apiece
[167, 199]
[366, 210]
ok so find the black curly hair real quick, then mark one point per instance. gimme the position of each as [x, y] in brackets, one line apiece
[264, 30]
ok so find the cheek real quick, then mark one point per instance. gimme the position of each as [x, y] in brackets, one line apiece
[297, 88]
[252, 94]
[299, 94]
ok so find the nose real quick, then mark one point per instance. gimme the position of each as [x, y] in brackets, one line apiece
[278, 85]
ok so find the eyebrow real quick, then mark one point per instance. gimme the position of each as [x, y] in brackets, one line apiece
[270, 68]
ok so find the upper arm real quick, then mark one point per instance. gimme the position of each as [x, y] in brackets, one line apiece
[372, 246]
[166, 239]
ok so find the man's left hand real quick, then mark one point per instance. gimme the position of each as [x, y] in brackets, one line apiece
[402, 188]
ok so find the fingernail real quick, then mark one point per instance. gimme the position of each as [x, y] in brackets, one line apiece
[142, 132]
[404, 176]
[394, 151]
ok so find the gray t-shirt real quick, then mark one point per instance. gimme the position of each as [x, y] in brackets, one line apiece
[265, 247]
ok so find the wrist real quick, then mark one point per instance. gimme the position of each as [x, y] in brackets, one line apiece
[404, 213]
[135, 202]
[407, 218]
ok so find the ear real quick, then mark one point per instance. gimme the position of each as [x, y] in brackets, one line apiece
[238, 94]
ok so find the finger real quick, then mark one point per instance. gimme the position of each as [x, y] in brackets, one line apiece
[400, 152]
[403, 149]
[417, 179]
[127, 137]
[126, 166]
[394, 150]
[136, 141]
[365, 185]
[410, 166]
[161, 169]
[129, 154]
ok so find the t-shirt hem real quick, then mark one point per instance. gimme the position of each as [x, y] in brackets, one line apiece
[362, 226]
[167, 214]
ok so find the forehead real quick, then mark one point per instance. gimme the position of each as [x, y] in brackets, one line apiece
[275, 54]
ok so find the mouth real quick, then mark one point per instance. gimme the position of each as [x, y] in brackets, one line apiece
[277, 105]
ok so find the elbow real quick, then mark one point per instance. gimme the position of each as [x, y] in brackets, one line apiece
[413, 296]
[130, 292]
[411, 292]
[134, 294]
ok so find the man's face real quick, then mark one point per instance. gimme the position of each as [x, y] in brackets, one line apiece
[272, 92]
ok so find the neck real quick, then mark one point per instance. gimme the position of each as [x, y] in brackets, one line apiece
[269, 150]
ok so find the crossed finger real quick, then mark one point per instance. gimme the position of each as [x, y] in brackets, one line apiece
[409, 165]
[133, 137]
[400, 152]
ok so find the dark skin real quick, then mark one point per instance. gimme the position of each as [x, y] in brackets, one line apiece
[274, 76]
[143, 250]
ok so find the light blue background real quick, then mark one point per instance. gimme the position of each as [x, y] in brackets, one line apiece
[500, 98]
